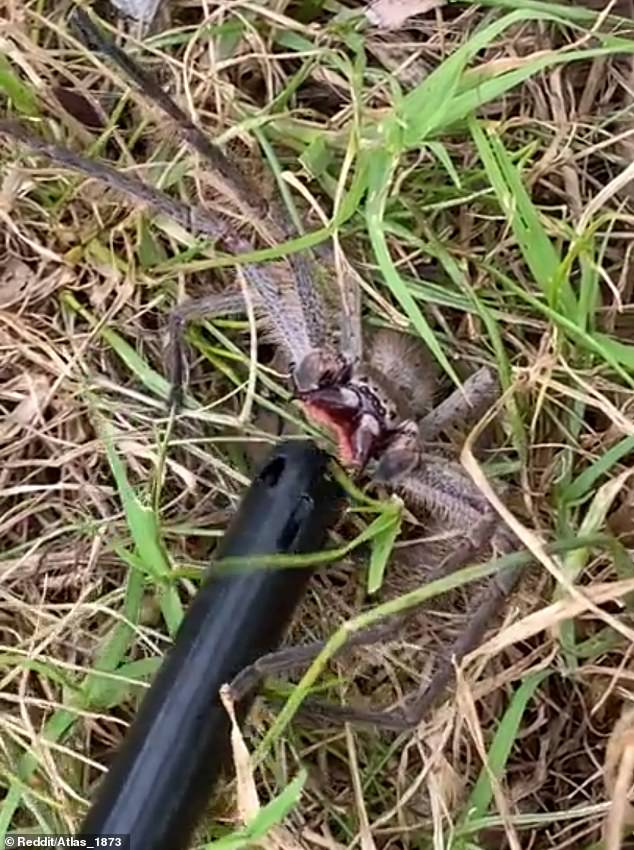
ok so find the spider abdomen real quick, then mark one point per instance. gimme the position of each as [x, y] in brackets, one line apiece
[408, 370]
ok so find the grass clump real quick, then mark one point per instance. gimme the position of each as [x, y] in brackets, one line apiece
[475, 167]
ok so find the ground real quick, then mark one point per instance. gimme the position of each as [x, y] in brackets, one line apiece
[476, 165]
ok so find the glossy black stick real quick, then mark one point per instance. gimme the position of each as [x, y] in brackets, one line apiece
[163, 775]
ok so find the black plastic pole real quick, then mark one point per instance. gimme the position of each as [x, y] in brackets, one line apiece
[162, 777]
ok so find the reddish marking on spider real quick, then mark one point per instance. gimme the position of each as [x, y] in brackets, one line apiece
[340, 427]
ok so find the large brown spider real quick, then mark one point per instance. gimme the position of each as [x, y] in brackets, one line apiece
[376, 404]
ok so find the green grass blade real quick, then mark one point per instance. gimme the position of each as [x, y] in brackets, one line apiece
[269, 816]
[382, 545]
[501, 746]
[21, 96]
[575, 562]
[144, 528]
[96, 688]
[621, 352]
[537, 249]
[585, 481]
[427, 109]
[442, 155]
[598, 344]
[466, 103]
[590, 288]
[387, 609]
[380, 169]
[151, 379]
[574, 13]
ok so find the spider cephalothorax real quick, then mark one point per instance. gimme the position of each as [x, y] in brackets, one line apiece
[353, 402]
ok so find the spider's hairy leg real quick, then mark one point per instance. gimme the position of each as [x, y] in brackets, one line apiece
[272, 285]
[310, 298]
[415, 708]
[465, 404]
[444, 488]
[231, 181]
[277, 307]
[192, 217]
[413, 712]
[266, 217]
[486, 611]
[210, 306]
[275, 291]
[348, 320]
[285, 660]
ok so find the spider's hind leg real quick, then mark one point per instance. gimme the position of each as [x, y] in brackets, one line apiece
[465, 404]
[484, 613]
[454, 495]
[443, 488]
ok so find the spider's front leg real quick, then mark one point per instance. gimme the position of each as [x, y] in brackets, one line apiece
[274, 294]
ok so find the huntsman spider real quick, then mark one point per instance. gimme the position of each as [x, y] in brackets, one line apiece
[375, 400]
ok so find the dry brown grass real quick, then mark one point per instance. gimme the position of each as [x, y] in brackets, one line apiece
[85, 274]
